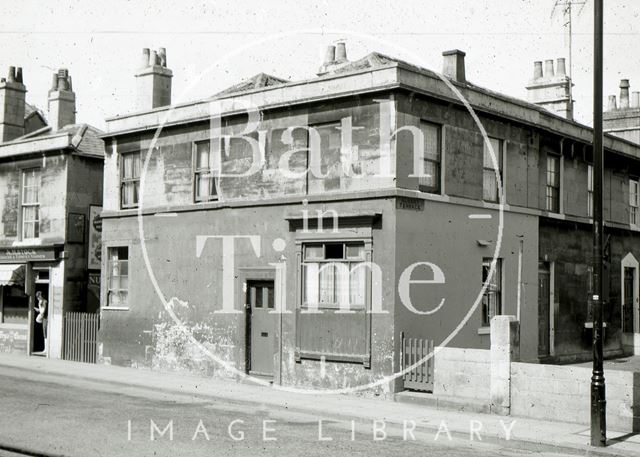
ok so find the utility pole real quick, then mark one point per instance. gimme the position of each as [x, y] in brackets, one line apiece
[598, 399]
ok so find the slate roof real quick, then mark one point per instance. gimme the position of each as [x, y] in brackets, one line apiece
[255, 82]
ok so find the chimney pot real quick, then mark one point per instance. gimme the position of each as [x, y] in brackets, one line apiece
[341, 52]
[624, 93]
[11, 77]
[537, 69]
[153, 58]
[19, 75]
[145, 58]
[162, 54]
[635, 100]
[329, 55]
[561, 70]
[453, 65]
[548, 69]
[612, 105]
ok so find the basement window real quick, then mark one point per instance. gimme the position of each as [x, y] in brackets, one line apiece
[130, 179]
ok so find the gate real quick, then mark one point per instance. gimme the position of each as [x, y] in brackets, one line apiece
[81, 337]
[419, 377]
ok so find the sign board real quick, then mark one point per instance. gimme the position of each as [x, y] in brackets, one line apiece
[95, 237]
[20, 255]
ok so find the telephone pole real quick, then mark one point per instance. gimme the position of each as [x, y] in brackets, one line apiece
[598, 399]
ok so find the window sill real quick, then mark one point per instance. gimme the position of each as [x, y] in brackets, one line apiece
[27, 242]
[115, 308]
[484, 331]
[9, 326]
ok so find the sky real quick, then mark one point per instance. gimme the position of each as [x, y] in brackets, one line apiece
[214, 44]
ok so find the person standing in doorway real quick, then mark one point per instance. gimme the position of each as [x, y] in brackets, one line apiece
[42, 309]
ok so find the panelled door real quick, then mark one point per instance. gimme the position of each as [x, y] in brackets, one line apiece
[544, 308]
[261, 327]
[628, 299]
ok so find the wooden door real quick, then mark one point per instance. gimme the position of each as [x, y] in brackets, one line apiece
[262, 326]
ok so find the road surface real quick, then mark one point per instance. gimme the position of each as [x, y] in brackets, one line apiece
[51, 415]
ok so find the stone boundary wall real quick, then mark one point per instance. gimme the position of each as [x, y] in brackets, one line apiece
[495, 379]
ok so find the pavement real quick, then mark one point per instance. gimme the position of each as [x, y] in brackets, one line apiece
[516, 432]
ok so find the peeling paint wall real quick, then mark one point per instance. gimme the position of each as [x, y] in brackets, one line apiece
[52, 198]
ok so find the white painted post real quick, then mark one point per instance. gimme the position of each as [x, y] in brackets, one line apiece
[505, 339]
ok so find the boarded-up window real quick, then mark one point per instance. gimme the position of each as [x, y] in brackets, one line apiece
[332, 316]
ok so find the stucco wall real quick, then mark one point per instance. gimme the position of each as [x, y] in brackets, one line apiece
[145, 335]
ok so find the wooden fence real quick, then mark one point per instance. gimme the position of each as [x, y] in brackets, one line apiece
[81, 337]
[420, 377]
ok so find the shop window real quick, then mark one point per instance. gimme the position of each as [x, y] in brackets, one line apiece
[489, 172]
[334, 275]
[131, 165]
[333, 321]
[15, 304]
[118, 277]
[204, 180]
[31, 203]
[430, 179]
[492, 298]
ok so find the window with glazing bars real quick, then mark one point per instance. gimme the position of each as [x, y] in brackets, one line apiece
[118, 280]
[553, 183]
[490, 174]
[492, 298]
[204, 180]
[130, 179]
[31, 203]
[430, 179]
[334, 275]
[633, 202]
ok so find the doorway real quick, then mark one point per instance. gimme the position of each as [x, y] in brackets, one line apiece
[41, 280]
[544, 309]
[261, 327]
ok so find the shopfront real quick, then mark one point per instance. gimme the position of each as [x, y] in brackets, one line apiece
[23, 272]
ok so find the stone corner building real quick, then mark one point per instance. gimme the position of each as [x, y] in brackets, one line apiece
[50, 174]
[431, 223]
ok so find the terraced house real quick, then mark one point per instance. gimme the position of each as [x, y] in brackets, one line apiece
[220, 261]
[50, 175]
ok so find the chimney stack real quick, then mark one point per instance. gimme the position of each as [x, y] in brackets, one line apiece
[62, 101]
[12, 100]
[551, 89]
[623, 120]
[334, 57]
[624, 93]
[153, 80]
[453, 65]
